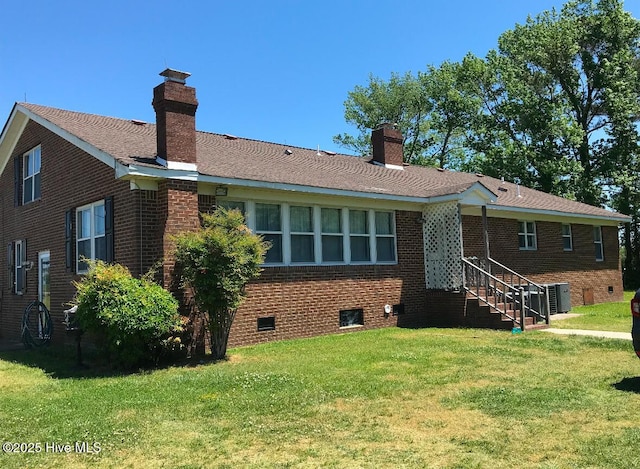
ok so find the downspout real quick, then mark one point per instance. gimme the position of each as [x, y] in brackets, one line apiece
[485, 232]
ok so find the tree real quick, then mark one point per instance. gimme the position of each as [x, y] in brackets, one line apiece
[555, 107]
[399, 101]
[217, 261]
[563, 99]
[562, 105]
[432, 110]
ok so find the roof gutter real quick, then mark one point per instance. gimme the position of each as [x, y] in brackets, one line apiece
[123, 171]
[555, 213]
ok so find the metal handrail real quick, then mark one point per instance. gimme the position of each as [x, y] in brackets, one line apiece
[491, 283]
[513, 272]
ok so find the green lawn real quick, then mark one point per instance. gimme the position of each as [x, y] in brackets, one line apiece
[614, 317]
[446, 398]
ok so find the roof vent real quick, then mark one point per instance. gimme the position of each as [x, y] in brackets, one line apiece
[441, 170]
[138, 122]
[177, 76]
[503, 189]
[230, 137]
[288, 151]
[480, 175]
[330, 152]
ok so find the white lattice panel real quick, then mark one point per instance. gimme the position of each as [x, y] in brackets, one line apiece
[442, 234]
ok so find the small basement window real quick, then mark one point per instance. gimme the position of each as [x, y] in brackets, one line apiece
[267, 323]
[351, 317]
[398, 309]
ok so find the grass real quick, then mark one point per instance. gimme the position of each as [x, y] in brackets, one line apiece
[615, 317]
[446, 398]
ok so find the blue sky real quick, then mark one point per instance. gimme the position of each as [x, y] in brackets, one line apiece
[272, 70]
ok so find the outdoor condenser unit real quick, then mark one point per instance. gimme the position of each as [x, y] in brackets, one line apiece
[562, 297]
[559, 298]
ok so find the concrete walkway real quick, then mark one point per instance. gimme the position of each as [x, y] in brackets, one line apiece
[604, 334]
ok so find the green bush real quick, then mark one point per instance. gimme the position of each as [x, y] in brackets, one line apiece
[134, 320]
[217, 262]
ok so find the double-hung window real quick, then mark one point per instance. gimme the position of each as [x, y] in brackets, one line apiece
[567, 241]
[31, 176]
[302, 239]
[359, 233]
[385, 237]
[527, 235]
[332, 235]
[91, 241]
[268, 223]
[302, 234]
[597, 243]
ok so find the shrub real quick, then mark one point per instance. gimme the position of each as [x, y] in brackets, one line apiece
[134, 320]
[217, 261]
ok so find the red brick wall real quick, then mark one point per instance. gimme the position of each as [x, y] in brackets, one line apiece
[177, 212]
[69, 178]
[150, 240]
[306, 300]
[550, 263]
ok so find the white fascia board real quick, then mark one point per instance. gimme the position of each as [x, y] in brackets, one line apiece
[140, 171]
[10, 135]
[325, 191]
[104, 157]
[614, 219]
[241, 193]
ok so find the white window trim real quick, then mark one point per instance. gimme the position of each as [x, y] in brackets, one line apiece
[25, 159]
[344, 223]
[250, 217]
[285, 254]
[376, 235]
[92, 234]
[568, 236]
[526, 235]
[300, 233]
[370, 214]
[599, 241]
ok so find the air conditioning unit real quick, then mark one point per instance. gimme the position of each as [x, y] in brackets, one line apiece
[559, 298]
[563, 297]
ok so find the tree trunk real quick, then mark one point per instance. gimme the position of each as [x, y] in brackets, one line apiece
[219, 327]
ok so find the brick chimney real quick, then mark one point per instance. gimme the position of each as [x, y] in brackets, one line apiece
[386, 140]
[175, 104]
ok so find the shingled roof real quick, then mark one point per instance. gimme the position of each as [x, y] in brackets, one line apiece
[133, 143]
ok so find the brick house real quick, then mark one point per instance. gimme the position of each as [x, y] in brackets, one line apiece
[356, 242]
